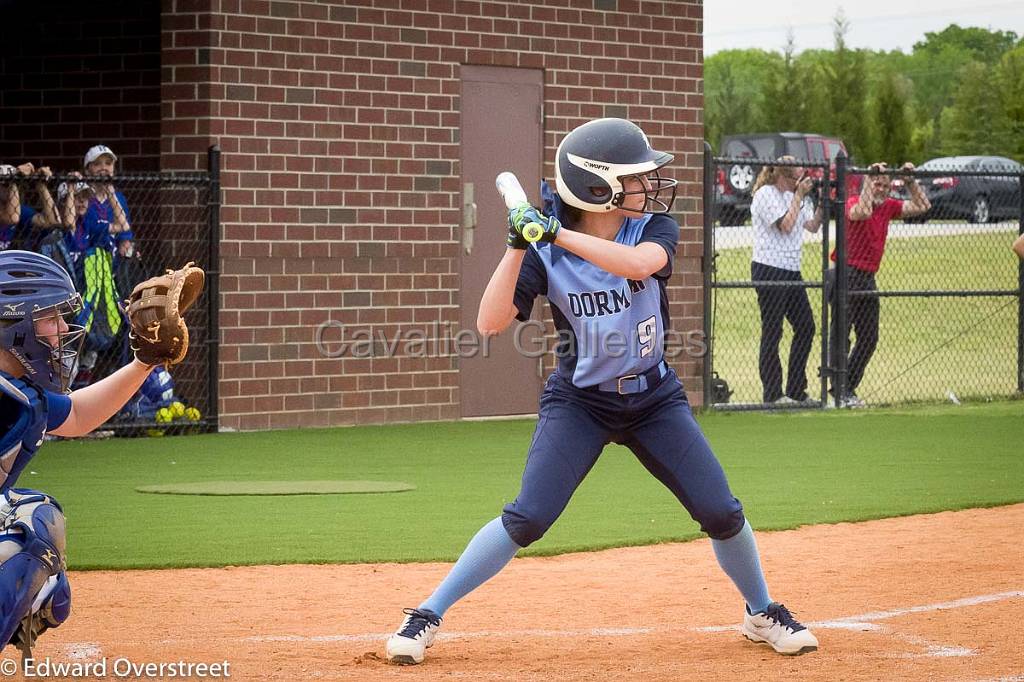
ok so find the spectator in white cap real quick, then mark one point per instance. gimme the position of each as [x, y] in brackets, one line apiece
[108, 206]
[106, 216]
[18, 221]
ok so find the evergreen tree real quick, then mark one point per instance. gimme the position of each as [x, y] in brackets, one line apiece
[785, 93]
[816, 110]
[847, 91]
[729, 110]
[892, 127]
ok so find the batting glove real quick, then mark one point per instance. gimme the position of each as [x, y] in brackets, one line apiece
[515, 240]
[522, 217]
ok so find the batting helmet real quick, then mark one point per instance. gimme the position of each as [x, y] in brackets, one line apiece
[32, 288]
[594, 158]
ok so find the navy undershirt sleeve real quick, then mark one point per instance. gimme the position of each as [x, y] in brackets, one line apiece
[663, 230]
[533, 282]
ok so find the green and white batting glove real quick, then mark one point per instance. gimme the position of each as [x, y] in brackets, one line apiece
[533, 225]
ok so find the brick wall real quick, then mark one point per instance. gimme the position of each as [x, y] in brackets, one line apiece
[333, 119]
[73, 75]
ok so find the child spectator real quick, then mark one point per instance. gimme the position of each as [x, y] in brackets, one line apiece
[67, 244]
[108, 206]
[106, 215]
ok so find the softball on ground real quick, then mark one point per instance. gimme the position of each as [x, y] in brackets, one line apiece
[177, 409]
[163, 415]
[192, 414]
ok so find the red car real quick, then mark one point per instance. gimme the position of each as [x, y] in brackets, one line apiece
[735, 180]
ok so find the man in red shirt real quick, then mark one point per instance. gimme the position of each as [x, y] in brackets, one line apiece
[867, 227]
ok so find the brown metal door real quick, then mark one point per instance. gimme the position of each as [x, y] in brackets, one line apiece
[501, 130]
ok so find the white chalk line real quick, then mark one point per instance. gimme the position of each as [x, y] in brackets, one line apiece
[860, 622]
[863, 623]
[857, 622]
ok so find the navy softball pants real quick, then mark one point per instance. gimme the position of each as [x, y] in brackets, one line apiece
[657, 425]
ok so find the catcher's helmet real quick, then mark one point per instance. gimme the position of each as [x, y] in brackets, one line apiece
[34, 287]
[594, 158]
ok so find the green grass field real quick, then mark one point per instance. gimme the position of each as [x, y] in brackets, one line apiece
[927, 346]
[788, 469]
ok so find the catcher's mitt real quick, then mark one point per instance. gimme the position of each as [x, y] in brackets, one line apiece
[155, 309]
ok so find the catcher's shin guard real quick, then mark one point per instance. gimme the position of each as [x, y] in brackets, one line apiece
[51, 608]
[36, 523]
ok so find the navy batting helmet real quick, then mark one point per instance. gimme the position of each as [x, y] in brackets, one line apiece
[34, 288]
[594, 158]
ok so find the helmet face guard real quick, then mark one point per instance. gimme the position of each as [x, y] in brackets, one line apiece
[654, 203]
[50, 361]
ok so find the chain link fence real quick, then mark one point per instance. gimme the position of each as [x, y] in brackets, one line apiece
[109, 234]
[931, 297]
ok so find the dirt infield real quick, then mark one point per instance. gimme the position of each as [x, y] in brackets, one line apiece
[933, 597]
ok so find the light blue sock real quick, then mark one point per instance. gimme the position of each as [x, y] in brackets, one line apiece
[739, 559]
[486, 554]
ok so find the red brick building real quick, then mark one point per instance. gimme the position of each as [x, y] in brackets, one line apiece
[357, 136]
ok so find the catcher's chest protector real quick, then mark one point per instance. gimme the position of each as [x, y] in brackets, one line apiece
[22, 425]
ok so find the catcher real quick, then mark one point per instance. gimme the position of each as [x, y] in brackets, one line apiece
[38, 361]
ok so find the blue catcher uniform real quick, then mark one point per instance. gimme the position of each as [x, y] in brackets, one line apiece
[32, 578]
[598, 396]
[34, 591]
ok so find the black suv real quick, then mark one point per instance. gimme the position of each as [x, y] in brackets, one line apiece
[733, 181]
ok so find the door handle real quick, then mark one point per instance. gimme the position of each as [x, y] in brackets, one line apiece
[468, 217]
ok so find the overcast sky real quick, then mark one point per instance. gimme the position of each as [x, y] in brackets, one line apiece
[874, 24]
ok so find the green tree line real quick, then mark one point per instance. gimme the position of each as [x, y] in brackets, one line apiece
[959, 91]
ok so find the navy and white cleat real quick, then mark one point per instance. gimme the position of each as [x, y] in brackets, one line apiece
[777, 627]
[409, 644]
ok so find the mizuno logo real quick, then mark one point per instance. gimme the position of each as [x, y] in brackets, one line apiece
[12, 308]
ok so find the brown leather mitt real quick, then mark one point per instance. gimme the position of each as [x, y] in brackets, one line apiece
[156, 309]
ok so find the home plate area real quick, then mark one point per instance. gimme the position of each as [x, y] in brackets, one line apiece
[930, 597]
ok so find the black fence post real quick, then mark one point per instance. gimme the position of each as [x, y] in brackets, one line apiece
[1020, 292]
[839, 340]
[826, 219]
[707, 263]
[213, 279]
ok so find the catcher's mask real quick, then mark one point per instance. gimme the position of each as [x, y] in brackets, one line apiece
[37, 295]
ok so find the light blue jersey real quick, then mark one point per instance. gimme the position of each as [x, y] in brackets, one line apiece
[608, 326]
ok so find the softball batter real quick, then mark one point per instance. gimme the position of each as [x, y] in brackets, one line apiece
[604, 276]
